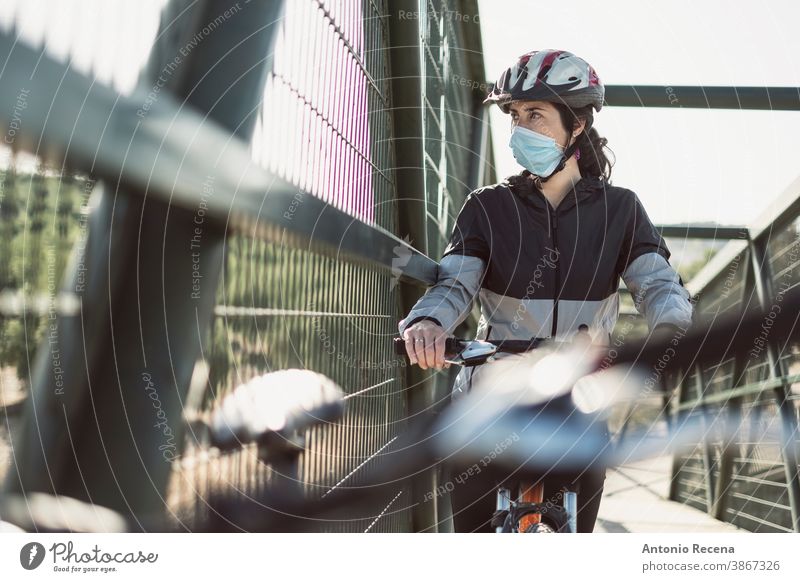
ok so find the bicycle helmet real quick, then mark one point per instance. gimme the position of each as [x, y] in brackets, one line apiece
[549, 75]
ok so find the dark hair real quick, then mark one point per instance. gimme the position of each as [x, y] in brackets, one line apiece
[593, 161]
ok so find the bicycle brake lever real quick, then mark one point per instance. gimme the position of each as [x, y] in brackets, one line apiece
[475, 353]
[465, 352]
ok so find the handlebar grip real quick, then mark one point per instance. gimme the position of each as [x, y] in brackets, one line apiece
[452, 346]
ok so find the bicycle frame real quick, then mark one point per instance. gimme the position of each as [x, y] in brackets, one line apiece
[526, 512]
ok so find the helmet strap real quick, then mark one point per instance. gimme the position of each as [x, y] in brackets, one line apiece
[568, 153]
[570, 150]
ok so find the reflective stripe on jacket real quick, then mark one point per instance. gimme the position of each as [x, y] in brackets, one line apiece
[549, 273]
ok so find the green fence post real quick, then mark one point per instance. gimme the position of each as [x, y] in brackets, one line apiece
[789, 430]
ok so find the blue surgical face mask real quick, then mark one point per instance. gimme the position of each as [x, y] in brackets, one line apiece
[535, 152]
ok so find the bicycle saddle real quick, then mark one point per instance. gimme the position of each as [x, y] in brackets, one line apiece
[276, 404]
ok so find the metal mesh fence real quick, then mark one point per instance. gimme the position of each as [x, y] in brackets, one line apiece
[456, 158]
[327, 123]
[327, 128]
[449, 116]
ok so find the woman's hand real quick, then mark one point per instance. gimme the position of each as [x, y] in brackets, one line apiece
[425, 344]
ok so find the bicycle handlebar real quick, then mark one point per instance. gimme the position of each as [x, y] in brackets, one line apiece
[455, 346]
[452, 346]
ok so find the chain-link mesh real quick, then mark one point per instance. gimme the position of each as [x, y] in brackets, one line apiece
[326, 127]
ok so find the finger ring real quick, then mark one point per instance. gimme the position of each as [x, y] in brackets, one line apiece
[419, 339]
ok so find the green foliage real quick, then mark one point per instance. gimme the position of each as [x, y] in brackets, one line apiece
[689, 270]
[40, 220]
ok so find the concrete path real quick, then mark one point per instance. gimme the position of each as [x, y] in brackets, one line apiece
[635, 500]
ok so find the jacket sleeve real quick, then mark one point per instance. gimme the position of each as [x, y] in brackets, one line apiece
[656, 287]
[449, 301]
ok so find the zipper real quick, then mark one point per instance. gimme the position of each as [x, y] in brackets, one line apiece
[554, 238]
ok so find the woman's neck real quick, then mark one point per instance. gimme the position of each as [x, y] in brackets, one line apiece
[556, 188]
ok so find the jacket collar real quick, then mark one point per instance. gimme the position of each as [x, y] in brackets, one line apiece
[522, 185]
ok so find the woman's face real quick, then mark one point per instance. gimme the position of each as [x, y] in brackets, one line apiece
[539, 116]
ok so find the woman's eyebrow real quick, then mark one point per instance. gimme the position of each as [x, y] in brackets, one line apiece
[528, 108]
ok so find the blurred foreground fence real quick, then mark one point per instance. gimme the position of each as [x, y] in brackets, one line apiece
[259, 174]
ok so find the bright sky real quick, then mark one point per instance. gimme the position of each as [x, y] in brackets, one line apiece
[689, 164]
[685, 164]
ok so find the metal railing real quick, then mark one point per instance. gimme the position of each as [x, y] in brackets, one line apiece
[443, 151]
[247, 217]
[750, 480]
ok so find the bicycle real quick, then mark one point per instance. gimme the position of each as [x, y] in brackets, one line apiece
[557, 443]
[273, 411]
[526, 511]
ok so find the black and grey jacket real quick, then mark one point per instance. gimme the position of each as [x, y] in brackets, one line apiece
[549, 273]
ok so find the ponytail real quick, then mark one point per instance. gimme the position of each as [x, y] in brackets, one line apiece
[593, 160]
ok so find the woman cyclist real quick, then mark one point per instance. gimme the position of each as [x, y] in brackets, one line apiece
[544, 250]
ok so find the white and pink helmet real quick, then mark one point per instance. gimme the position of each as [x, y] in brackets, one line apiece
[549, 75]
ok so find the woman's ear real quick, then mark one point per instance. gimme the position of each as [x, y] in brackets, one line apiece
[578, 129]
